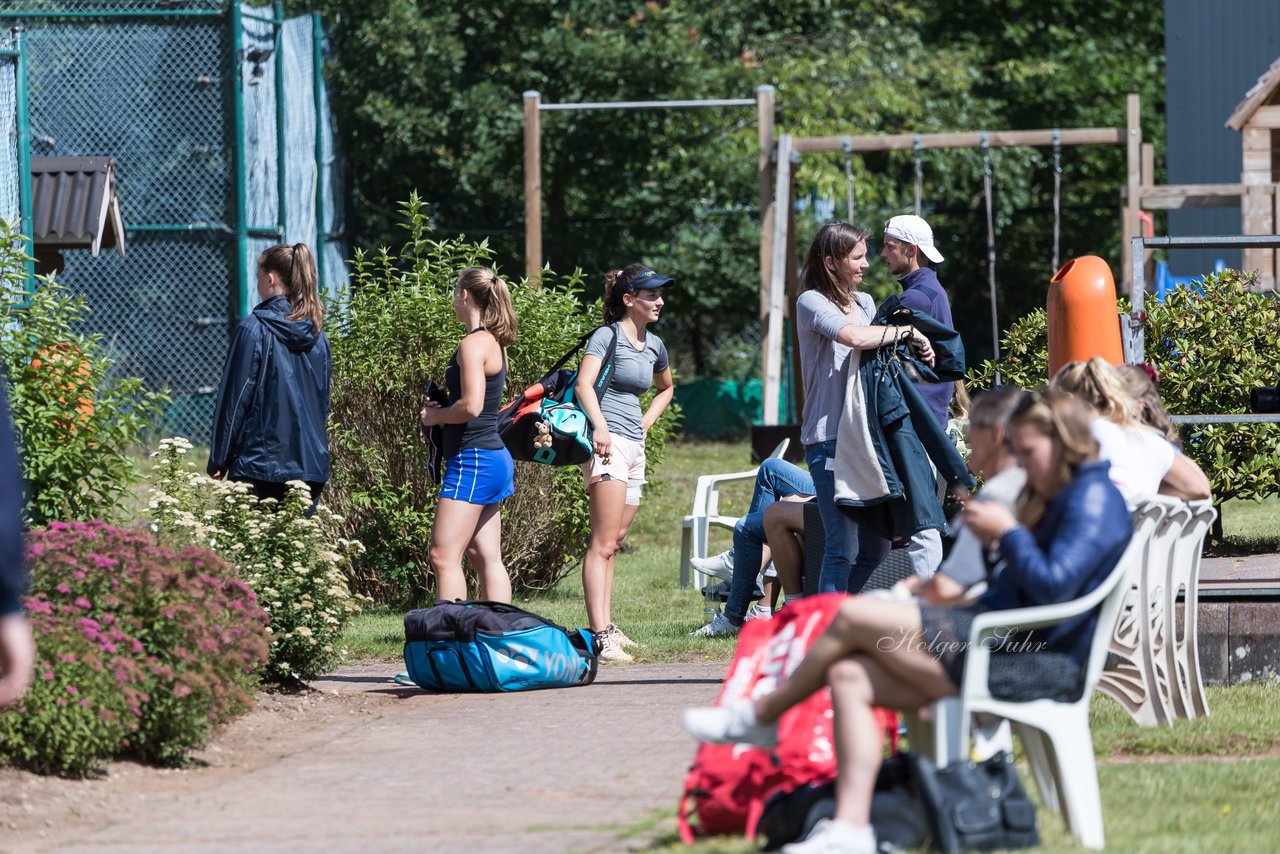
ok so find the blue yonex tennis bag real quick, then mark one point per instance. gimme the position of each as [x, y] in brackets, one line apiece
[491, 646]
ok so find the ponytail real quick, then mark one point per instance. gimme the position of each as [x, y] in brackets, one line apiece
[296, 269]
[615, 285]
[493, 298]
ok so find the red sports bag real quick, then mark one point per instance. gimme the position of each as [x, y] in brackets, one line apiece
[728, 784]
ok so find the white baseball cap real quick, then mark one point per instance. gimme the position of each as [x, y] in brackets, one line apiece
[914, 230]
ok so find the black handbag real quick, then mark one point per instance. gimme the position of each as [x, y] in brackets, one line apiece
[1265, 399]
[977, 806]
[897, 811]
[966, 806]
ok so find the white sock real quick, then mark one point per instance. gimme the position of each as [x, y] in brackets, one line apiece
[792, 597]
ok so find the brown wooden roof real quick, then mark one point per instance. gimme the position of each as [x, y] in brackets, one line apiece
[1260, 95]
[74, 203]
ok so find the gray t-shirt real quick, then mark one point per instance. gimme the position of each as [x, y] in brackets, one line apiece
[824, 364]
[633, 372]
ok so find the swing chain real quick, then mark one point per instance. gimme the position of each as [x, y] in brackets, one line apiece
[1057, 197]
[991, 250]
[848, 177]
[919, 164]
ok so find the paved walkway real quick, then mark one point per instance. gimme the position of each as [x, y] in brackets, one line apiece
[547, 771]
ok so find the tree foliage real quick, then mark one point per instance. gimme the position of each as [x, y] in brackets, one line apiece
[1211, 343]
[428, 98]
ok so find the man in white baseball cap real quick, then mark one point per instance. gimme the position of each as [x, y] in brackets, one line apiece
[908, 252]
[914, 231]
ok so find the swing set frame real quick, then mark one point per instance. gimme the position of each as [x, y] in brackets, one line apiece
[779, 279]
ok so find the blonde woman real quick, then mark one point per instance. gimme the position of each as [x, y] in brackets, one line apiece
[615, 475]
[479, 472]
[1143, 460]
[270, 421]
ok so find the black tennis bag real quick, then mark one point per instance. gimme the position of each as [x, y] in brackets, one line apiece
[966, 806]
[478, 646]
[545, 424]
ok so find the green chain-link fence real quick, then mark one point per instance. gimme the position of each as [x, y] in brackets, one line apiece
[164, 88]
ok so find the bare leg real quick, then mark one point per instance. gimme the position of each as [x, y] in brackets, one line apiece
[858, 684]
[628, 516]
[454, 525]
[781, 522]
[607, 500]
[485, 554]
[889, 632]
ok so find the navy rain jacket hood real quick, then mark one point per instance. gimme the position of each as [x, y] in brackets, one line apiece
[270, 423]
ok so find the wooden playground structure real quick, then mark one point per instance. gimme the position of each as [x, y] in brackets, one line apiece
[1257, 118]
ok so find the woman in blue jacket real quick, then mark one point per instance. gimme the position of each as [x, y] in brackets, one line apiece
[270, 423]
[1070, 529]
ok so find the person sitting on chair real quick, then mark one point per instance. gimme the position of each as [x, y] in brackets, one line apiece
[776, 480]
[1070, 529]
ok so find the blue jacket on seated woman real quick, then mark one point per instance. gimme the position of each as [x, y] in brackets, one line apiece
[1075, 545]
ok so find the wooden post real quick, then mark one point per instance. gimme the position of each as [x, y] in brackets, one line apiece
[532, 187]
[792, 294]
[771, 341]
[1130, 226]
[765, 113]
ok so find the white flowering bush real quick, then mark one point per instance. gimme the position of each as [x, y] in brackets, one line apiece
[297, 565]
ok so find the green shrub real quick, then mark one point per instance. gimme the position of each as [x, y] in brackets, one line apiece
[142, 648]
[392, 331]
[76, 421]
[296, 565]
[1211, 343]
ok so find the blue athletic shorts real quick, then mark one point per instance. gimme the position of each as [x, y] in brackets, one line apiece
[479, 476]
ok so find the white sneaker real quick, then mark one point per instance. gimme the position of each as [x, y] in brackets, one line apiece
[623, 641]
[832, 836]
[730, 724]
[719, 627]
[610, 650]
[759, 612]
[721, 565]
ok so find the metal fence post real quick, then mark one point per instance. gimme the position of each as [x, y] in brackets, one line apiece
[282, 187]
[24, 156]
[241, 212]
[317, 84]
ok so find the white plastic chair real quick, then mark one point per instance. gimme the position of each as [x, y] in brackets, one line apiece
[1182, 655]
[1138, 676]
[1055, 736]
[706, 512]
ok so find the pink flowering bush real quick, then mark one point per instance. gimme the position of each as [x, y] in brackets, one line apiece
[78, 710]
[165, 643]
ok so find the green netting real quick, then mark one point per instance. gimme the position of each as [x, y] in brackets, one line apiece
[8, 134]
[719, 409]
[153, 85]
[89, 6]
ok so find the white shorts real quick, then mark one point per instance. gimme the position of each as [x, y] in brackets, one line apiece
[626, 463]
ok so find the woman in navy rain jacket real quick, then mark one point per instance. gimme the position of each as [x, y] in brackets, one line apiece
[1070, 531]
[270, 424]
